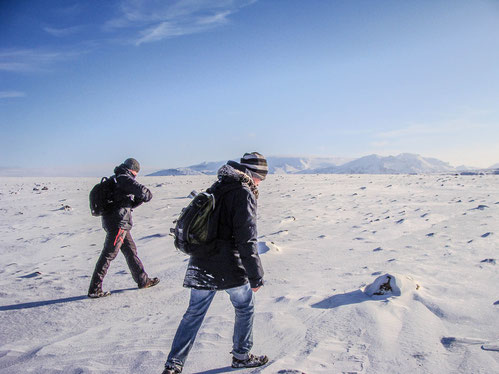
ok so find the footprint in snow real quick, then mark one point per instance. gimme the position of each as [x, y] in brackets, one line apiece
[288, 219]
[282, 232]
[486, 234]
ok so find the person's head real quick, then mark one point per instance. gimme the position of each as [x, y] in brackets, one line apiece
[256, 164]
[132, 165]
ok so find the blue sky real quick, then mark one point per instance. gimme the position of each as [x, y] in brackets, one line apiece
[86, 84]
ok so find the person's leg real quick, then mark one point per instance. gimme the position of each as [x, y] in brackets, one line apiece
[112, 244]
[243, 302]
[129, 250]
[189, 326]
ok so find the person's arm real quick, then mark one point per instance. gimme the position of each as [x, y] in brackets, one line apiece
[141, 194]
[245, 236]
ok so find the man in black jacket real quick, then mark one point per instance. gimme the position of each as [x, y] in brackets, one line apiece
[235, 267]
[117, 222]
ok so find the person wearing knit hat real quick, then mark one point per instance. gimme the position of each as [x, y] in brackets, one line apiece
[132, 164]
[234, 266]
[256, 164]
[127, 194]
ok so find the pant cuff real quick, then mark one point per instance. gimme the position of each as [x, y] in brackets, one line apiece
[240, 356]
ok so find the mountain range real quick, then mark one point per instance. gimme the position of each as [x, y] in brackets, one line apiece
[405, 163]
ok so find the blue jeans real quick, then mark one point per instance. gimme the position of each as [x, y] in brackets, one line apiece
[242, 300]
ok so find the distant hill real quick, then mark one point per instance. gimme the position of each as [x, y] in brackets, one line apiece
[299, 165]
[176, 171]
[277, 165]
[405, 163]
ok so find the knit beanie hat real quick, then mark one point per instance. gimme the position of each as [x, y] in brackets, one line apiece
[132, 164]
[256, 164]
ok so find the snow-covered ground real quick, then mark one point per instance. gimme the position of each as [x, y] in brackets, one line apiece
[323, 238]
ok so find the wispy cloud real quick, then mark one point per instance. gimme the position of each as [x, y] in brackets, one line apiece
[157, 20]
[420, 130]
[430, 138]
[413, 130]
[32, 60]
[11, 94]
[62, 32]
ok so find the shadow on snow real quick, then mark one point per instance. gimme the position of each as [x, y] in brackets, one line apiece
[36, 304]
[354, 297]
[227, 369]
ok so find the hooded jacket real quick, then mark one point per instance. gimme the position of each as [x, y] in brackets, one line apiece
[128, 194]
[236, 260]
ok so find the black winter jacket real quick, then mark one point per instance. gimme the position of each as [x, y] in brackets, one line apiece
[128, 194]
[236, 260]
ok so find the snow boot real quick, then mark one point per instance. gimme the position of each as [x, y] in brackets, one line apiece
[171, 370]
[98, 294]
[150, 283]
[251, 362]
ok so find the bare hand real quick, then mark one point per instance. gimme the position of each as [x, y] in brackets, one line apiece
[255, 289]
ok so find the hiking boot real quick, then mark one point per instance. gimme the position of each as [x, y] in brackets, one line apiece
[98, 294]
[150, 283]
[171, 370]
[251, 362]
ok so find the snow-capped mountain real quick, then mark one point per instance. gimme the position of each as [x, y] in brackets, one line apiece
[277, 165]
[298, 165]
[175, 171]
[405, 163]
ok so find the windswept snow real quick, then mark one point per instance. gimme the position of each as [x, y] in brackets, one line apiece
[324, 239]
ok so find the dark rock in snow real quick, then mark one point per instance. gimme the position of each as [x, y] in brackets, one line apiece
[32, 275]
[489, 261]
[480, 207]
[448, 342]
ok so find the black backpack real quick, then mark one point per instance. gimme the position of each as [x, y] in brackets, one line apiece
[196, 229]
[102, 197]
